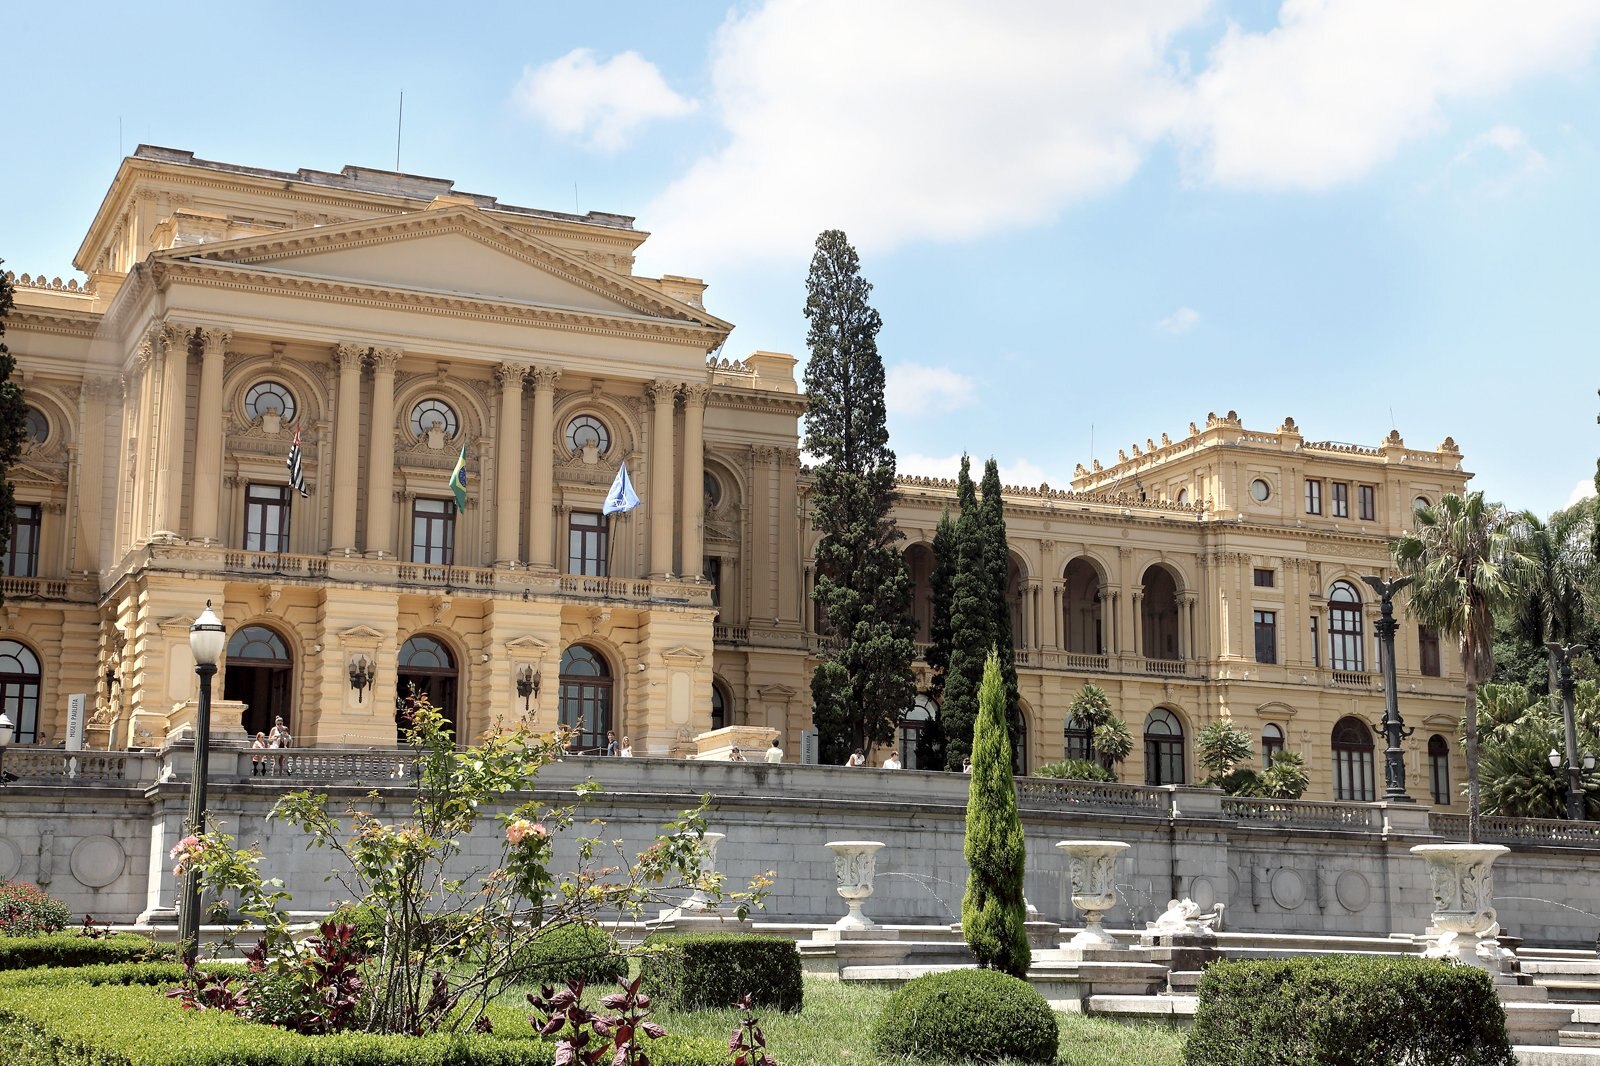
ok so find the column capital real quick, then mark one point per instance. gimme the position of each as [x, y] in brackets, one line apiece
[349, 356]
[174, 335]
[509, 376]
[383, 360]
[544, 378]
[215, 339]
[662, 392]
[695, 395]
[104, 387]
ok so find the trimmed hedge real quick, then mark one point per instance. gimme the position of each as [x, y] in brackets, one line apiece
[982, 1015]
[84, 1025]
[70, 949]
[709, 971]
[572, 952]
[1348, 1009]
[165, 974]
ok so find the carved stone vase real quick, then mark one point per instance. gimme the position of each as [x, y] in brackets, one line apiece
[698, 900]
[1463, 902]
[1093, 867]
[855, 863]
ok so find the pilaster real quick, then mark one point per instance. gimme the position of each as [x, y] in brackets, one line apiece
[541, 457]
[172, 422]
[204, 517]
[662, 396]
[380, 455]
[693, 494]
[346, 444]
[508, 464]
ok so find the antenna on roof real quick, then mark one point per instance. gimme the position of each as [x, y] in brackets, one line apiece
[1391, 418]
[399, 123]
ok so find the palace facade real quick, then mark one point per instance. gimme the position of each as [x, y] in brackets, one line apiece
[386, 326]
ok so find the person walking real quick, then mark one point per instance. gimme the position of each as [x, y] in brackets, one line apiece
[856, 759]
[893, 761]
[626, 751]
[775, 753]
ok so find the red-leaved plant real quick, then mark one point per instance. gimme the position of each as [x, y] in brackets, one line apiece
[589, 1039]
[748, 1044]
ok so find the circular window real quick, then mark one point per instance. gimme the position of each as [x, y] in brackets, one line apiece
[38, 426]
[713, 490]
[434, 414]
[1260, 491]
[269, 398]
[586, 431]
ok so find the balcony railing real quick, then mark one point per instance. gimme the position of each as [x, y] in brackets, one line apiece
[726, 634]
[1037, 792]
[1302, 814]
[55, 766]
[1518, 830]
[46, 588]
[1352, 678]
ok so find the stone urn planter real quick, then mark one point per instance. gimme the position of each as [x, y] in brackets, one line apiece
[698, 899]
[1463, 903]
[855, 864]
[1093, 867]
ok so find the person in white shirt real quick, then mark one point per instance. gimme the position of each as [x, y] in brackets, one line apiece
[856, 759]
[892, 762]
[627, 748]
[775, 753]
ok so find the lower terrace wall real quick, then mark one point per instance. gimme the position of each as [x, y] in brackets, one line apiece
[100, 840]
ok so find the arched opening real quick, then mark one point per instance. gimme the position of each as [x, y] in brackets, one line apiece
[920, 561]
[721, 705]
[585, 699]
[922, 711]
[1083, 622]
[258, 674]
[427, 669]
[1344, 628]
[1271, 743]
[1163, 748]
[1353, 761]
[1159, 615]
[1017, 602]
[1019, 745]
[19, 689]
[1439, 769]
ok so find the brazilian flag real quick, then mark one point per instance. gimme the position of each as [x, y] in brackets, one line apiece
[458, 480]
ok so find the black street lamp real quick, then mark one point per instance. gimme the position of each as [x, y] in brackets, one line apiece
[206, 639]
[1563, 655]
[1394, 728]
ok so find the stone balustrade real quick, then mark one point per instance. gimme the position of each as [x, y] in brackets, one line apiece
[1556, 831]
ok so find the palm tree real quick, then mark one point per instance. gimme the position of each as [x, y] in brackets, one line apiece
[1561, 562]
[1465, 555]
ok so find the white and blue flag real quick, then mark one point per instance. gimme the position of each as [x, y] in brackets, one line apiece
[621, 498]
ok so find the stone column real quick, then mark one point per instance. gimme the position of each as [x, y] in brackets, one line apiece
[541, 457]
[693, 492]
[209, 445]
[173, 344]
[1138, 620]
[662, 394]
[380, 455]
[346, 444]
[508, 465]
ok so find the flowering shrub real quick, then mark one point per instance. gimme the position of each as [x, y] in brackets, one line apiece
[27, 910]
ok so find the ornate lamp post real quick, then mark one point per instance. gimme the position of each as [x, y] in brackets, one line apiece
[1563, 656]
[1394, 728]
[206, 639]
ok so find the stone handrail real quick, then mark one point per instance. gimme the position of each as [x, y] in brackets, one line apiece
[362, 766]
[1352, 678]
[1302, 814]
[1518, 830]
[1166, 667]
[1092, 796]
[726, 634]
[126, 769]
[46, 588]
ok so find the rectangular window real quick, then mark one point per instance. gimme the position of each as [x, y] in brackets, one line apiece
[1316, 646]
[1341, 499]
[1266, 636]
[1367, 498]
[586, 544]
[1313, 496]
[1263, 578]
[713, 570]
[1428, 645]
[433, 532]
[266, 518]
[22, 554]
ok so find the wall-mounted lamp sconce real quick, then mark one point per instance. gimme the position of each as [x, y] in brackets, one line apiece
[527, 684]
[362, 673]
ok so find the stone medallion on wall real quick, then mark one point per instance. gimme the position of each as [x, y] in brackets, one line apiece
[1202, 893]
[1353, 891]
[10, 859]
[97, 861]
[1288, 889]
[1233, 884]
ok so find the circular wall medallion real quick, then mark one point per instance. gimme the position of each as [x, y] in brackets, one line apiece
[1353, 891]
[10, 859]
[1288, 890]
[97, 861]
[1202, 893]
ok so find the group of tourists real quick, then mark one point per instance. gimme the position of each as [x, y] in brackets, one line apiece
[278, 738]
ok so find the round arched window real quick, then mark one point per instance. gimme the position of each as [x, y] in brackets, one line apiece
[1260, 491]
[19, 689]
[585, 702]
[1419, 503]
[1271, 743]
[1353, 777]
[1163, 748]
[37, 425]
[588, 431]
[431, 414]
[1183, 497]
[258, 644]
[269, 398]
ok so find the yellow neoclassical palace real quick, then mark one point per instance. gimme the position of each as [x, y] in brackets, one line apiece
[384, 327]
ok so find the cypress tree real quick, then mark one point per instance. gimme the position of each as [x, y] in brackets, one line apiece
[997, 561]
[971, 627]
[992, 908]
[931, 738]
[864, 684]
[13, 422]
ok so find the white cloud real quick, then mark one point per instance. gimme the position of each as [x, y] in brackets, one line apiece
[1337, 87]
[1508, 156]
[599, 103]
[912, 389]
[915, 464]
[1180, 321]
[1580, 492]
[1018, 472]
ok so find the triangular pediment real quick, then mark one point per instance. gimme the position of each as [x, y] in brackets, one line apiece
[457, 252]
[527, 644]
[24, 474]
[360, 634]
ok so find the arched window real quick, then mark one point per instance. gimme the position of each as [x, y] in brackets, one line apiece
[1439, 769]
[923, 710]
[1353, 762]
[1271, 743]
[1077, 740]
[269, 398]
[585, 698]
[37, 426]
[1019, 745]
[1083, 612]
[258, 673]
[720, 704]
[1344, 628]
[587, 431]
[1159, 612]
[19, 689]
[426, 668]
[434, 412]
[1163, 748]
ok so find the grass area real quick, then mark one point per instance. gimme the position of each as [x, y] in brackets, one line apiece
[836, 1023]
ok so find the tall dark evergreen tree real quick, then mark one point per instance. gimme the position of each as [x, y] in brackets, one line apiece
[931, 737]
[997, 561]
[13, 422]
[993, 911]
[864, 684]
[971, 627]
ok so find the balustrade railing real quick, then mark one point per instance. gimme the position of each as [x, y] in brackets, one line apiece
[355, 767]
[1302, 814]
[1166, 667]
[56, 766]
[1352, 678]
[1498, 830]
[1091, 796]
[43, 588]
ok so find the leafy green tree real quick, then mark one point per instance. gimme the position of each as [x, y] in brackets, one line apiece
[1221, 746]
[992, 909]
[1112, 742]
[1109, 739]
[971, 628]
[864, 683]
[13, 421]
[1286, 778]
[1551, 605]
[1465, 556]
[1517, 732]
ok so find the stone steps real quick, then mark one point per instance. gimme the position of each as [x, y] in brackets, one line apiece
[1557, 1056]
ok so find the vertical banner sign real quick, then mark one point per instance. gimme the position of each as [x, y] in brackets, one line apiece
[75, 721]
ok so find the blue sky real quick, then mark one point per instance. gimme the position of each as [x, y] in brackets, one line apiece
[1083, 220]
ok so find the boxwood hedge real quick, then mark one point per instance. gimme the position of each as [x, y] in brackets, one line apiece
[961, 1015]
[71, 949]
[1340, 1009]
[707, 971]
